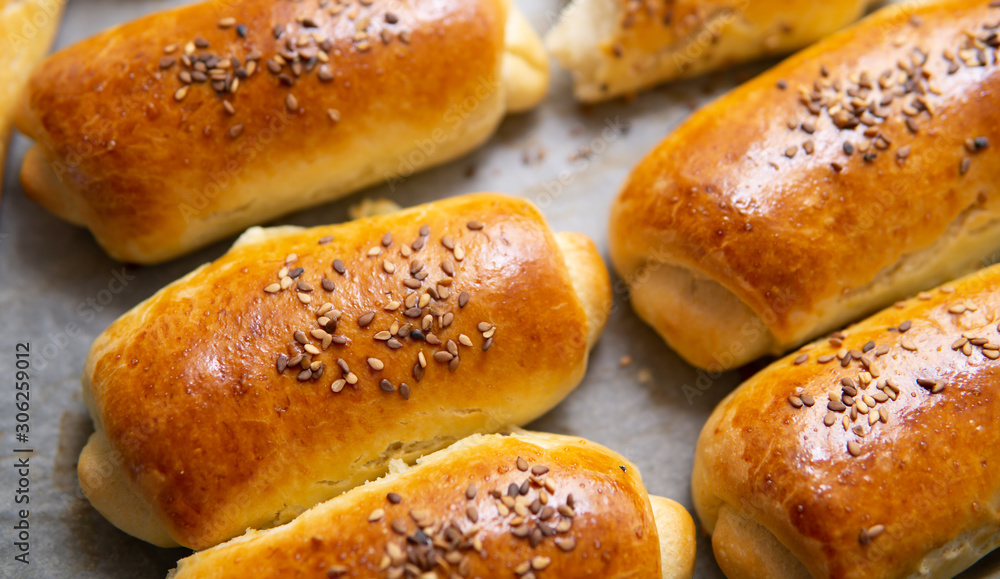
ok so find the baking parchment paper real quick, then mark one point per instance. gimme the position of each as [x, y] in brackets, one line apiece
[58, 291]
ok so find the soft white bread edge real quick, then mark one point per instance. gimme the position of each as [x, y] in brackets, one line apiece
[525, 64]
[590, 279]
[677, 535]
[711, 328]
[745, 549]
[575, 41]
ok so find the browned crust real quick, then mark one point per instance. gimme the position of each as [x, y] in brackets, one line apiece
[926, 475]
[613, 526]
[215, 440]
[794, 240]
[146, 170]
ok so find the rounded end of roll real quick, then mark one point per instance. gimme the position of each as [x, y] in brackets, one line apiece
[105, 486]
[745, 549]
[590, 280]
[42, 185]
[677, 534]
[525, 64]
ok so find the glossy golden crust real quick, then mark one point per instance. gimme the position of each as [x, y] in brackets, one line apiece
[20, 52]
[618, 47]
[215, 440]
[804, 235]
[917, 495]
[612, 529]
[154, 173]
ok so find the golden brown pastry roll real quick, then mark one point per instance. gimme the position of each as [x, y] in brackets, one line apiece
[188, 125]
[618, 47]
[861, 170]
[27, 28]
[870, 454]
[528, 505]
[296, 366]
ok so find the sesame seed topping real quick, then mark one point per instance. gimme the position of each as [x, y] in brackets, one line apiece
[376, 364]
[394, 498]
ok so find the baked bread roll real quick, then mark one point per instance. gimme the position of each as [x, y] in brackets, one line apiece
[285, 105]
[528, 505]
[26, 29]
[860, 171]
[299, 364]
[871, 454]
[619, 47]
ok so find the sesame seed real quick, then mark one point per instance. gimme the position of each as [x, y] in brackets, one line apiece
[386, 386]
[474, 225]
[366, 319]
[522, 465]
[227, 22]
[388, 267]
[338, 385]
[376, 364]
[181, 93]
[854, 448]
[394, 498]
[801, 359]
[376, 515]
[470, 491]
[398, 526]
[304, 375]
[291, 102]
[539, 563]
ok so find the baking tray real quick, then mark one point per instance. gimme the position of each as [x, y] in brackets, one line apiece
[58, 291]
